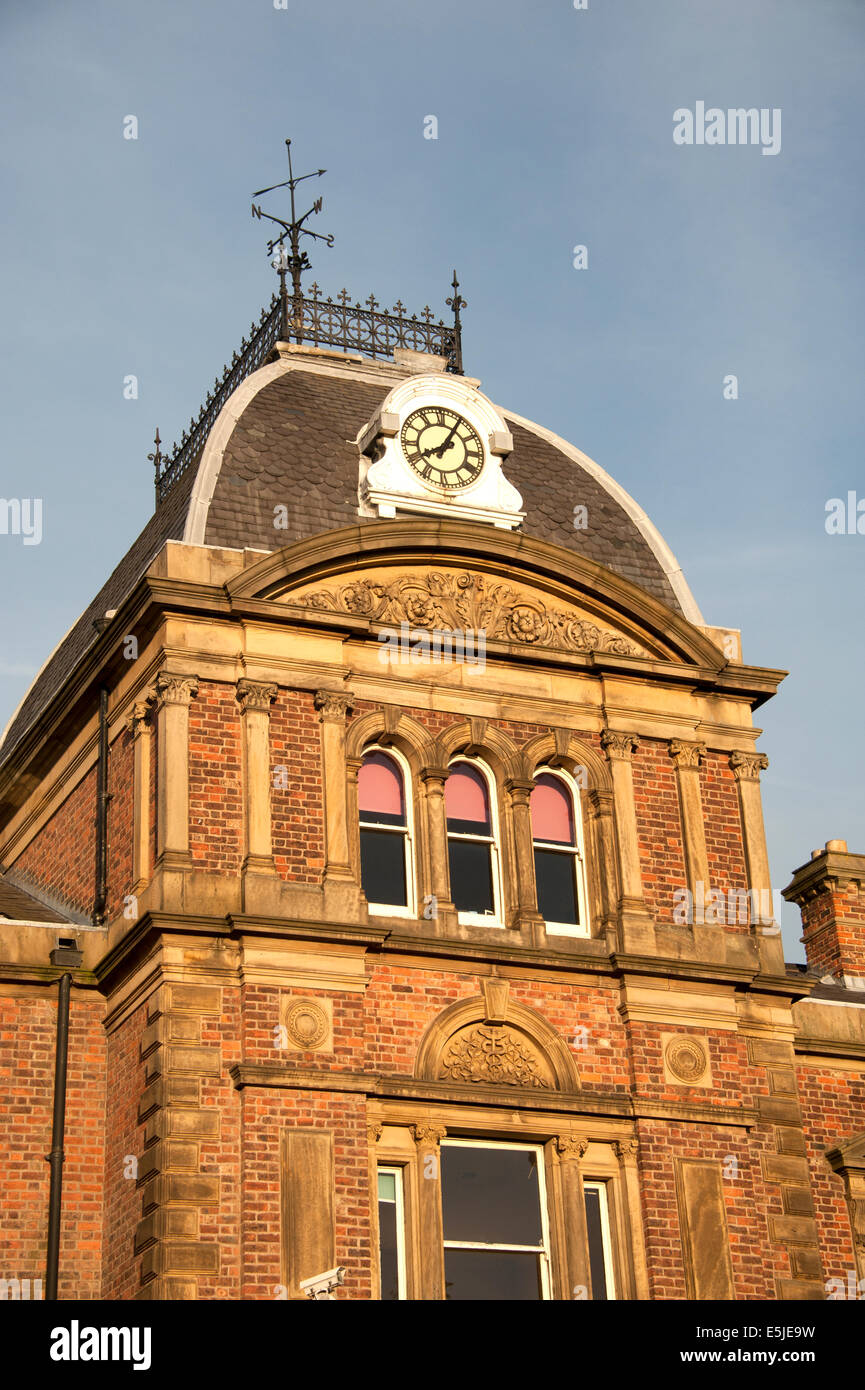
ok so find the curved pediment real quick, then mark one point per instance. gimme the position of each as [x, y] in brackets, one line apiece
[448, 575]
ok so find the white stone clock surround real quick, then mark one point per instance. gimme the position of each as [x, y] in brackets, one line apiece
[390, 484]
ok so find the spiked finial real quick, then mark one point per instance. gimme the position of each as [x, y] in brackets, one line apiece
[157, 458]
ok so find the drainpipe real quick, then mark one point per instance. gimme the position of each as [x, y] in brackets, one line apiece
[103, 797]
[64, 954]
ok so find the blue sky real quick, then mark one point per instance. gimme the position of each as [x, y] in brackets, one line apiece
[554, 129]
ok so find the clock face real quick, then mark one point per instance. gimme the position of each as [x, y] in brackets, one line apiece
[441, 447]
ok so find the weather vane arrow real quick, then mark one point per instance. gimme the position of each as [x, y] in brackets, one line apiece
[291, 259]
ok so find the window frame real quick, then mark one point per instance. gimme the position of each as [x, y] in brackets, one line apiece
[410, 908]
[480, 919]
[600, 1186]
[577, 852]
[544, 1251]
[397, 1170]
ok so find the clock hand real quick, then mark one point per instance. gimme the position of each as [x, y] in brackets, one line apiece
[446, 443]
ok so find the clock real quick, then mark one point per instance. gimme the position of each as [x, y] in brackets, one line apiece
[442, 448]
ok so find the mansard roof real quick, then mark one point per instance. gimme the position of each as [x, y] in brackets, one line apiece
[286, 437]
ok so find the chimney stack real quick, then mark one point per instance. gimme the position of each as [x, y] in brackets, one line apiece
[830, 893]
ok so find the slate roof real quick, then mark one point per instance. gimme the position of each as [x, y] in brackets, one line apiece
[303, 425]
[21, 907]
[293, 444]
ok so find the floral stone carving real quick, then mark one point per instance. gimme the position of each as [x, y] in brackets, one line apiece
[492, 1054]
[472, 601]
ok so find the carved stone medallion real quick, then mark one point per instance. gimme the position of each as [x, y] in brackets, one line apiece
[686, 1058]
[307, 1024]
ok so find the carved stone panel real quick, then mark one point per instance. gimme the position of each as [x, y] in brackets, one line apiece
[494, 1055]
[446, 601]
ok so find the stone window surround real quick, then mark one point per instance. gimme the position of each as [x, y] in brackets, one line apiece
[571, 1157]
[429, 767]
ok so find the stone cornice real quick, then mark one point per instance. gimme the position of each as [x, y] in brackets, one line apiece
[831, 871]
[279, 1076]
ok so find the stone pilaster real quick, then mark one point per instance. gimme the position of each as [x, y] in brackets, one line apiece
[428, 1139]
[172, 696]
[688, 757]
[746, 769]
[141, 728]
[570, 1151]
[527, 916]
[255, 700]
[341, 887]
[627, 1150]
[433, 781]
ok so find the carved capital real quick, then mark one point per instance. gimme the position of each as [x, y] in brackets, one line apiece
[373, 1131]
[138, 721]
[572, 1146]
[428, 1135]
[333, 705]
[626, 1148]
[520, 790]
[432, 775]
[748, 766]
[254, 695]
[174, 690]
[617, 745]
[687, 754]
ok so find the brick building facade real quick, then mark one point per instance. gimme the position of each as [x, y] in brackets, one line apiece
[453, 966]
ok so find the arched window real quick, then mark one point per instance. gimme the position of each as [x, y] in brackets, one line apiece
[386, 871]
[472, 844]
[559, 866]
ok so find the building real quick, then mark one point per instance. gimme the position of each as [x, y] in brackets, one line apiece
[406, 816]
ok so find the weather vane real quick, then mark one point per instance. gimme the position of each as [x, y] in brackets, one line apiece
[292, 259]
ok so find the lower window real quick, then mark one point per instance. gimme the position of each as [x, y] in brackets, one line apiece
[391, 1233]
[600, 1245]
[494, 1215]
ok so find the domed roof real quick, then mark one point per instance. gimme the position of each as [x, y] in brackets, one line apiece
[287, 438]
[291, 441]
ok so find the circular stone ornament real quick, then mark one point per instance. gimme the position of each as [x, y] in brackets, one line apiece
[306, 1023]
[686, 1059]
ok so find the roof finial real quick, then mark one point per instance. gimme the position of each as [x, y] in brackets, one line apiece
[293, 260]
[157, 459]
[456, 303]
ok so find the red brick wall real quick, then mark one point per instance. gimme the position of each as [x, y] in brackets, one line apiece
[28, 1031]
[725, 849]
[833, 925]
[215, 778]
[659, 827]
[297, 808]
[748, 1201]
[124, 1138]
[833, 1104]
[121, 812]
[61, 858]
[225, 1156]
